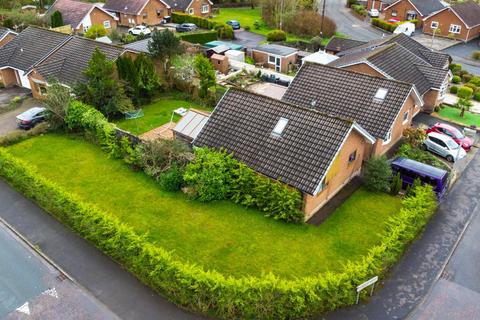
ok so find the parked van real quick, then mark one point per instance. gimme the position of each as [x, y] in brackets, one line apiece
[406, 28]
[410, 170]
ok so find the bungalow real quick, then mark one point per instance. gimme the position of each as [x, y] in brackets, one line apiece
[67, 63]
[393, 61]
[20, 54]
[336, 44]
[274, 56]
[82, 15]
[201, 8]
[311, 151]
[461, 20]
[378, 4]
[383, 107]
[135, 12]
[412, 10]
[6, 35]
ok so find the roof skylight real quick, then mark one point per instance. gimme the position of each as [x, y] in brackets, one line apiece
[381, 94]
[281, 124]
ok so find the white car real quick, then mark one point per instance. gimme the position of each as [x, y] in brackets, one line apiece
[406, 28]
[137, 30]
[444, 146]
[374, 13]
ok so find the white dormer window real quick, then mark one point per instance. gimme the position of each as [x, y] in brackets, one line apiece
[381, 94]
[280, 127]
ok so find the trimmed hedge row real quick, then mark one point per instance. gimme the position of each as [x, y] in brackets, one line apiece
[210, 292]
[382, 24]
[178, 17]
[199, 37]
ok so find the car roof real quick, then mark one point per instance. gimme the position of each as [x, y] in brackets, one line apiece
[446, 126]
[439, 136]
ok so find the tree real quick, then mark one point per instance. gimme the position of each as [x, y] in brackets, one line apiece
[182, 67]
[164, 45]
[414, 136]
[377, 174]
[206, 73]
[56, 20]
[464, 104]
[96, 31]
[101, 89]
[56, 102]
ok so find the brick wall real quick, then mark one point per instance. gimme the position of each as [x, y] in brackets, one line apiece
[446, 18]
[197, 8]
[154, 11]
[36, 87]
[401, 8]
[98, 16]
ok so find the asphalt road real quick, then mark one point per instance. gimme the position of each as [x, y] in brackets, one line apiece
[461, 53]
[347, 23]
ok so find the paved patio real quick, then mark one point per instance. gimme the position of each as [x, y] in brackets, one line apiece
[162, 132]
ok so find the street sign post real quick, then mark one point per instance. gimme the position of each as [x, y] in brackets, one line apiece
[367, 283]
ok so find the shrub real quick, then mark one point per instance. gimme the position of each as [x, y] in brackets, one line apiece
[419, 155]
[377, 174]
[466, 77]
[455, 67]
[456, 79]
[257, 25]
[308, 23]
[471, 86]
[224, 31]
[20, 135]
[351, 2]
[411, 188]
[276, 35]
[128, 38]
[249, 60]
[453, 89]
[178, 17]
[476, 55]
[464, 92]
[56, 19]
[56, 102]
[476, 96]
[414, 136]
[475, 81]
[383, 24]
[199, 37]
[211, 292]
[96, 31]
[396, 184]
[172, 179]
[246, 28]
[360, 9]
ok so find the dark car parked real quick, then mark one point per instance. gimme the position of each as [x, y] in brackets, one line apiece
[186, 27]
[234, 24]
[31, 117]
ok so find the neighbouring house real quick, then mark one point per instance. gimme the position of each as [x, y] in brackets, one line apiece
[320, 57]
[274, 56]
[82, 15]
[383, 107]
[201, 8]
[412, 10]
[6, 35]
[393, 61]
[135, 12]
[311, 151]
[67, 63]
[220, 63]
[378, 4]
[188, 128]
[19, 55]
[460, 21]
[336, 44]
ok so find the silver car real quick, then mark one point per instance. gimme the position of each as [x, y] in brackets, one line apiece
[444, 146]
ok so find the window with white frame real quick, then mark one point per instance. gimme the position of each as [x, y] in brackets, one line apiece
[394, 13]
[322, 185]
[443, 88]
[455, 28]
[388, 137]
[191, 11]
[352, 156]
[205, 8]
[434, 25]
[405, 117]
[106, 24]
[271, 59]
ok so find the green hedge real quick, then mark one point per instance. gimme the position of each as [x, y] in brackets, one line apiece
[199, 37]
[209, 292]
[178, 17]
[383, 24]
[276, 35]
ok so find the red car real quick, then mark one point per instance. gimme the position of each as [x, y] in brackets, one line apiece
[454, 133]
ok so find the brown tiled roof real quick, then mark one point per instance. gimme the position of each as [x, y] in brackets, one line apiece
[469, 12]
[72, 11]
[68, 62]
[242, 123]
[340, 44]
[125, 6]
[349, 94]
[181, 5]
[427, 6]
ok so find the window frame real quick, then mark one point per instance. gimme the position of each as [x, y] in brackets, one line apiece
[394, 13]
[436, 23]
[203, 8]
[107, 22]
[388, 137]
[452, 26]
[406, 116]
[352, 157]
[191, 11]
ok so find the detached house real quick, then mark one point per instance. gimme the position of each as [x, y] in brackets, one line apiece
[336, 44]
[378, 4]
[67, 63]
[19, 55]
[274, 56]
[81, 15]
[412, 9]
[461, 20]
[383, 107]
[6, 35]
[135, 12]
[393, 61]
[195, 7]
[311, 151]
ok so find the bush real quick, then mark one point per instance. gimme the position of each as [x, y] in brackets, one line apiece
[377, 174]
[351, 2]
[257, 25]
[396, 184]
[455, 67]
[307, 23]
[464, 92]
[414, 136]
[249, 60]
[471, 86]
[407, 151]
[383, 24]
[456, 79]
[276, 35]
[476, 96]
[475, 81]
[212, 293]
[56, 19]
[199, 37]
[95, 31]
[466, 77]
[246, 28]
[172, 179]
[453, 89]
[128, 38]
[178, 17]
[360, 9]
[476, 55]
[224, 31]
[20, 135]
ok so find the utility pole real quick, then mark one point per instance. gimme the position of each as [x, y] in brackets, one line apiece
[323, 17]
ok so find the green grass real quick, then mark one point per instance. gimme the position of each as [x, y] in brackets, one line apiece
[156, 114]
[219, 235]
[453, 114]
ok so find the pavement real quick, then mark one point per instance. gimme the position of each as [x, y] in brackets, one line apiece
[32, 288]
[107, 281]
[462, 53]
[412, 277]
[347, 23]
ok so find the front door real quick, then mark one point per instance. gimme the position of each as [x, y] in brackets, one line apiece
[278, 64]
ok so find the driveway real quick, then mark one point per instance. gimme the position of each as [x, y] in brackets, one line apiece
[7, 119]
[439, 43]
[8, 94]
[462, 53]
[347, 23]
[247, 39]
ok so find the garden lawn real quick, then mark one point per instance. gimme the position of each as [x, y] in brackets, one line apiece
[220, 235]
[156, 114]
[453, 114]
